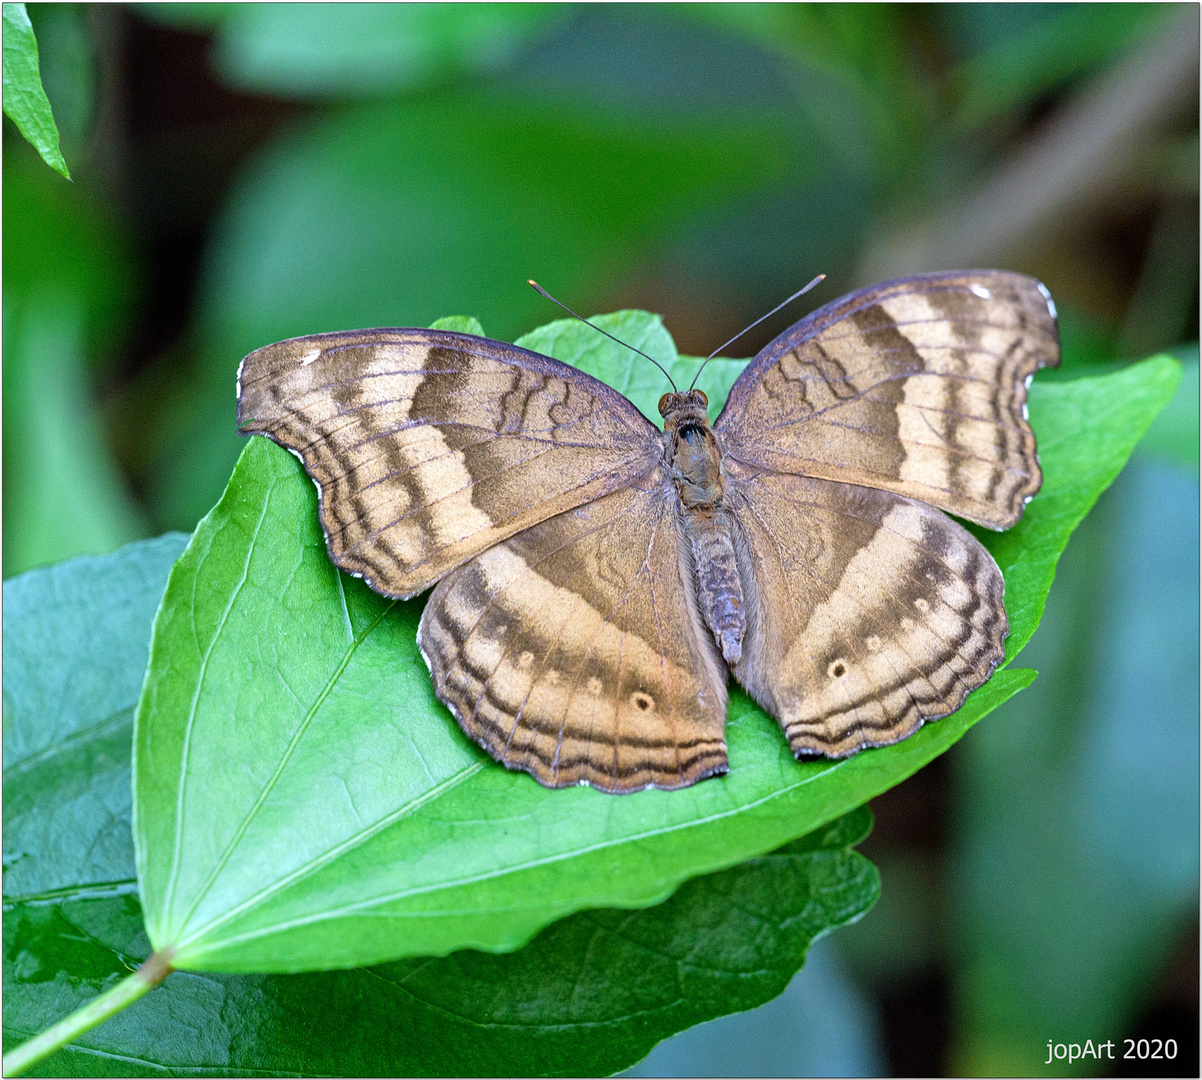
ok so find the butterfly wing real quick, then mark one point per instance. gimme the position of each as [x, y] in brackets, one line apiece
[870, 612]
[916, 386]
[574, 650]
[428, 446]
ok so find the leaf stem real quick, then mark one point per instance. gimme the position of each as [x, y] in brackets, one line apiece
[155, 969]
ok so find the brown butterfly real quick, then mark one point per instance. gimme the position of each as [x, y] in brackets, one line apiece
[597, 578]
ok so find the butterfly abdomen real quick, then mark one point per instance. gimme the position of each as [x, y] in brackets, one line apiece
[695, 461]
[719, 588]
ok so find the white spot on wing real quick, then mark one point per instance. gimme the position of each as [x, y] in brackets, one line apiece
[1026, 413]
[238, 383]
[309, 357]
[1027, 380]
[425, 657]
[981, 291]
[1048, 297]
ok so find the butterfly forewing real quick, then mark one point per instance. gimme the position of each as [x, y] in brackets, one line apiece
[871, 612]
[916, 386]
[574, 650]
[429, 446]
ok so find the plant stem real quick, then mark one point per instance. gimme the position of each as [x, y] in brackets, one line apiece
[155, 969]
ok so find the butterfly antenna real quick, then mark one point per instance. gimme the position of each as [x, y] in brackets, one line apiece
[538, 288]
[783, 303]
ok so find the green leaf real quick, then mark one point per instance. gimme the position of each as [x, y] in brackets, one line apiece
[25, 101]
[358, 823]
[76, 641]
[68, 63]
[633, 375]
[462, 324]
[588, 996]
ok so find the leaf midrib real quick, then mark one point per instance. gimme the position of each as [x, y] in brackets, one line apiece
[365, 905]
[99, 890]
[80, 736]
[191, 722]
[289, 750]
[313, 865]
[531, 1025]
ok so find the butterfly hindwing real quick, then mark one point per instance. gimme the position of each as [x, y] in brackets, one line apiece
[916, 386]
[870, 614]
[574, 650]
[429, 446]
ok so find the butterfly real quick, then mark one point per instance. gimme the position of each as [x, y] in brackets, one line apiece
[597, 579]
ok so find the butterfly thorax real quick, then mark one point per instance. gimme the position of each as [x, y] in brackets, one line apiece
[694, 459]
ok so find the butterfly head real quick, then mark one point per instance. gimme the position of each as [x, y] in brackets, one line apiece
[677, 409]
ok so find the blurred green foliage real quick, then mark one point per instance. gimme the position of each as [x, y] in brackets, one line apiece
[701, 161]
[331, 51]
[1077, 830]
[1017, 54]
[69, 288]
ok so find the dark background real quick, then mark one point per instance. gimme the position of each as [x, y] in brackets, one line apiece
[248, 173]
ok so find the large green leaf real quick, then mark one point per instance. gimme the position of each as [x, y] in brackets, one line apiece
[331, 813]
[590, 994]
[25, 101]
[303, 801]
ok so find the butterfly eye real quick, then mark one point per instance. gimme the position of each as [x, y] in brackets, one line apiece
[701, 394]
[663, 405]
